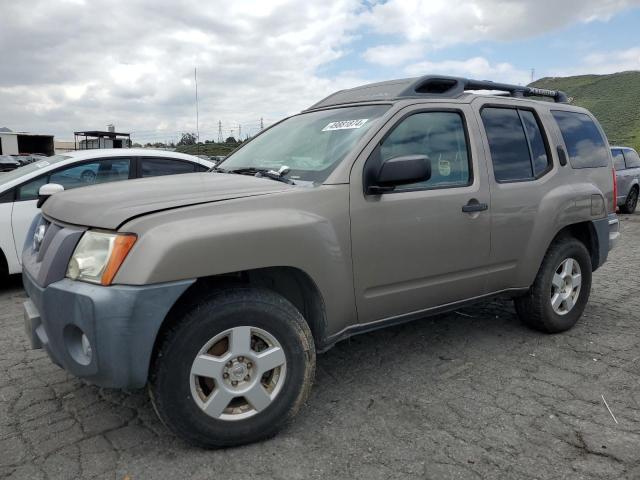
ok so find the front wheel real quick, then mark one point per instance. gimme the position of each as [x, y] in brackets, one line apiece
[235, 369]
[561, 289]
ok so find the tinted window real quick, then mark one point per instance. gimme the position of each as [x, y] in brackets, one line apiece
[29, 191]
[631, 156]
[539, 157]
[100, 171]
[618, 160]
[585, 145]
[508, 144]
[154, 167]
[440, 136]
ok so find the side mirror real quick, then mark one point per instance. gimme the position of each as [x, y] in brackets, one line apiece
[400, 171]
[46, 191]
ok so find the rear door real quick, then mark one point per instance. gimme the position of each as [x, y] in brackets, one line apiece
[415, 248]
[632, 161]
[622, 175]
[519, 167]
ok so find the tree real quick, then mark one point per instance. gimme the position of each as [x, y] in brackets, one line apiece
[230, 140]
[188, 138]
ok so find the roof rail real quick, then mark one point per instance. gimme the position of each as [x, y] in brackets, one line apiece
[516, 90]
[431, 86]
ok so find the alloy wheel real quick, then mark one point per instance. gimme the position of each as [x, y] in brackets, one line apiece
[565, 286]
[238, 373]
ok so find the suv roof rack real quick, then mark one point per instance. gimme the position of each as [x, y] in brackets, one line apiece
[432, 86]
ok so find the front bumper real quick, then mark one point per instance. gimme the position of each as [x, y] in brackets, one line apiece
[119, 322]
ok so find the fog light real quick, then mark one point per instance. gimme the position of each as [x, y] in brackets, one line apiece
[78, 345]
[86, 346]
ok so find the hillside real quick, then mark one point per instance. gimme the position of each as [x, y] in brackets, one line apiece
[614, 100]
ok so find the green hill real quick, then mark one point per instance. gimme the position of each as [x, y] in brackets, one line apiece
[614, 100]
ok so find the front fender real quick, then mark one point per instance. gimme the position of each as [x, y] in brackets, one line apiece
[306, 229]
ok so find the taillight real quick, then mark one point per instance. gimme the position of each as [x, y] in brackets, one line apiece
[614, 206]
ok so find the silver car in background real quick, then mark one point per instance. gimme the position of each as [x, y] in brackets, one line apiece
[627, 165]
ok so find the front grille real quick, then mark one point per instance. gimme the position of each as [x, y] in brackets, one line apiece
[46, 259]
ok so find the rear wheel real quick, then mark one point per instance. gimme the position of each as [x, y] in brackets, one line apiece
[235, 369]
[631, 202]
[561, 289]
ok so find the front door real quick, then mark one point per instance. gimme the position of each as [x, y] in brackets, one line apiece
[415, 248]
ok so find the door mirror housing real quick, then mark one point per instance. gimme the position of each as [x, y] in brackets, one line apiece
[402, 170]
[46, 191]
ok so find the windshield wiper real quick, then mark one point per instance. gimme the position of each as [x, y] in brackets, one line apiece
[279, 175]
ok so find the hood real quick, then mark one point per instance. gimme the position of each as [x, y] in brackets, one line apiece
[111, 204]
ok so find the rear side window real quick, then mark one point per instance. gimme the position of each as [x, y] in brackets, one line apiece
[518, 149]
[618, 160]
[154, 167]
[585, 145]
[632, 159]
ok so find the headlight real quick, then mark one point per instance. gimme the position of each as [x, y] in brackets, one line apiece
[99, 255]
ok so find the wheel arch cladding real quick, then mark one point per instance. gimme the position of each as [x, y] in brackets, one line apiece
[293, 284]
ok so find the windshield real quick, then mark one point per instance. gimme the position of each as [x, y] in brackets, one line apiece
[31, 167]
[310, 144]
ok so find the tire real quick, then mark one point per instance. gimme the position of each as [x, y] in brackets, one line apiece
[179, 395]
[4, 270]
[535, 309]
[631, 202]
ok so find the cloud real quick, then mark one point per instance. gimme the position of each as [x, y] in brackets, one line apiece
[476, 67]
[80, 65]
[610, 62]
[393, 55]
[442, 22]
[74, 64]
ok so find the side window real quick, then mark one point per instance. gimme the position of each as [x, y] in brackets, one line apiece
[539, 157]
[100, 171]
[439, 135]
[632, 159]
[29, 191]
[584, 142]
[153, 167]
[618, 160]
[201, 168]
[518, 149]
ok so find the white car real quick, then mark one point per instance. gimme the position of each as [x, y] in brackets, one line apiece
[19, 188]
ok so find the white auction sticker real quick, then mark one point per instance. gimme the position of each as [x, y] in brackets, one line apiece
[345, 124]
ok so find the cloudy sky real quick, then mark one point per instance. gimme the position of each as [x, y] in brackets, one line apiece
[80, 64]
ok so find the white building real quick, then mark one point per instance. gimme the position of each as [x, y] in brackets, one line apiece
[16, 143]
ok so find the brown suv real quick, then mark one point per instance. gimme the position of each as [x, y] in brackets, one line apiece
[378, 205]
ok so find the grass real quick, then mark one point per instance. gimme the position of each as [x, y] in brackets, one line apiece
[614, 100]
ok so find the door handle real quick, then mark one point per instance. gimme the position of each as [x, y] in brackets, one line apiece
[474, 206]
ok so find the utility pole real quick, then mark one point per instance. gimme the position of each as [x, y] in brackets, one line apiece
[239, 132]
[231, 133]
[220, 131]
[261, 123]
[195, 77]
[533, 74]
